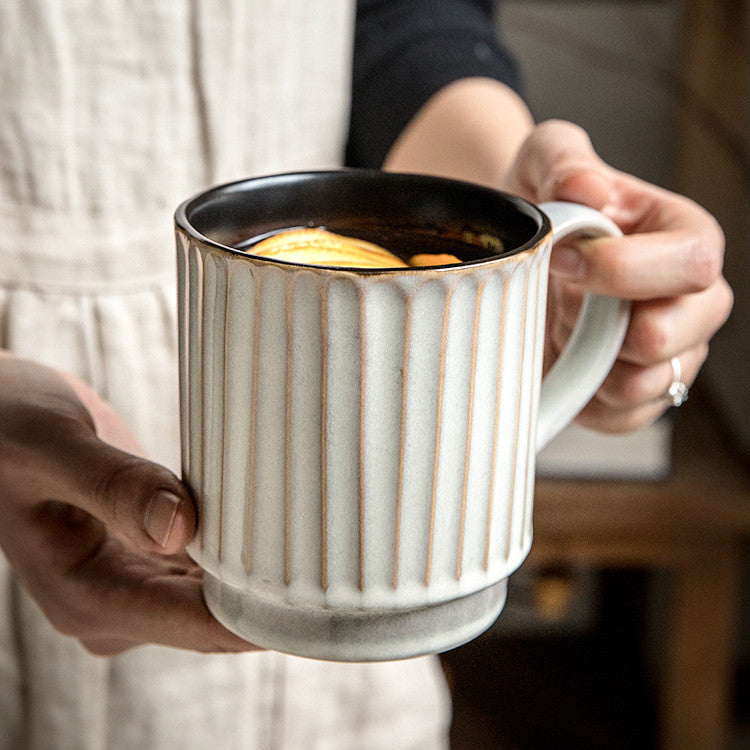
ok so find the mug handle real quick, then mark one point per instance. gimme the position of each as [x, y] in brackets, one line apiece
[596, 339]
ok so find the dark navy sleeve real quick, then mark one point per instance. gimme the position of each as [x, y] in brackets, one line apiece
[404, 52]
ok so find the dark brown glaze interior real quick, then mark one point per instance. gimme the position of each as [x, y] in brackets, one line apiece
[405, 213]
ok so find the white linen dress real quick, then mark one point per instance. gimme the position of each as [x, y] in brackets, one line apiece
[111, 113]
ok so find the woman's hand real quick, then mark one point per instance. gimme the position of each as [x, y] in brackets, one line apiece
[669, 264]
[96, 533]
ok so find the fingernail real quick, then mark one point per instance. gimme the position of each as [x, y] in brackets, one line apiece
[160, 514]
[567, 261]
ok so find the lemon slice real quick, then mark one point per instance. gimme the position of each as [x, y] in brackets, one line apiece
[319, 247]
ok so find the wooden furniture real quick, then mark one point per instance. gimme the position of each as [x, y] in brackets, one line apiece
[694, 525]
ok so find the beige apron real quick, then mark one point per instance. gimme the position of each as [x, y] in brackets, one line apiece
[112, 112]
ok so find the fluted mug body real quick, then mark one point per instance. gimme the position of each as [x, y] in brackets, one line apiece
[360, 444]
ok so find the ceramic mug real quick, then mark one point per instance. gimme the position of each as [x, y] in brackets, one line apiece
[361, 444]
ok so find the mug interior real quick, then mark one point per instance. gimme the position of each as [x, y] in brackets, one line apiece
[386, 208]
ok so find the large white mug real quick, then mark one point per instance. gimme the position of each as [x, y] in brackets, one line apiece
[361, 444]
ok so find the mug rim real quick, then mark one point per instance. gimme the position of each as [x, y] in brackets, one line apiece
[182, 216]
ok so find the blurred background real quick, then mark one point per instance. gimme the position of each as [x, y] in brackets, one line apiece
[583, 655]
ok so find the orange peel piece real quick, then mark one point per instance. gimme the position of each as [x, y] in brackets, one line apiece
[432, 259]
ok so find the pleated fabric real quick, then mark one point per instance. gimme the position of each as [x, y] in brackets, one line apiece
[111, 113]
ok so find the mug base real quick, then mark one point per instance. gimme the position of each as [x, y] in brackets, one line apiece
[335, 635]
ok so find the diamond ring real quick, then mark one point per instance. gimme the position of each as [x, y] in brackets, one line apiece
[678, 391]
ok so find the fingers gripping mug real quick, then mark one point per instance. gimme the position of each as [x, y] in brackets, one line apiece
[361, 443]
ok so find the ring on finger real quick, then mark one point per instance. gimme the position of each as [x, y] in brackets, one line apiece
[677, 393]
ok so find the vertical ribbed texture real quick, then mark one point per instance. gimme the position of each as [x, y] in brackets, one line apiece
[360, 440]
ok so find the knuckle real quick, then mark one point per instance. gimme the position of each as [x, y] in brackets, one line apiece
[125, 489]
[109, 491]
[706, 256]
[726, 302]
[556, 124]
[648, 338]
[611, 269]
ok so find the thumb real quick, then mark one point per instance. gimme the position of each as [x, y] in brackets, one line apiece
[138, 501]
[558, 162]
[51, 452]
